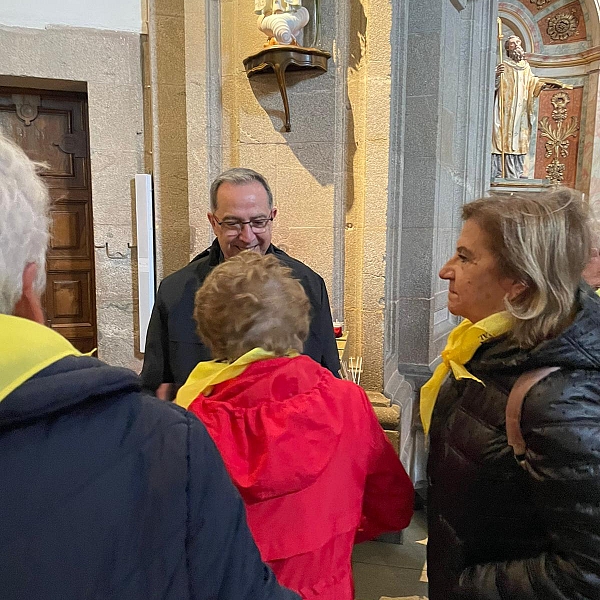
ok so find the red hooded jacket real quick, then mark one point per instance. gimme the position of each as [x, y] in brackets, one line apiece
[313, 466]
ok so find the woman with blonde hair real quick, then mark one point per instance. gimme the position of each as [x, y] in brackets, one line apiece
[304, 448]
[523, 368]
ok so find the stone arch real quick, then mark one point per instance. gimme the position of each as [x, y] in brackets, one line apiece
[520, 21]
[592, 11]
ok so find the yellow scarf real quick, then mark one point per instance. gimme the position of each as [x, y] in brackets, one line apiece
[463, 341]
[26, 348]
[208, 374]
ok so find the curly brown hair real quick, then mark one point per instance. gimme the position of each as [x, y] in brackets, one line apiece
[251, 301]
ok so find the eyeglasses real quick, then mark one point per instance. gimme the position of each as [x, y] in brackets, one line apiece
[257, 225]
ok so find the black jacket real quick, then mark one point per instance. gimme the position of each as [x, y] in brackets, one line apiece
[496, 531]
[109, 493]
[173, 348]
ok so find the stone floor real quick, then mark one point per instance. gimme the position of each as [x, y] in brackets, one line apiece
[390, 571]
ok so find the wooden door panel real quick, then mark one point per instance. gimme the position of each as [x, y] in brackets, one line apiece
[54, 133]
[69, 231]
[67, 298]
[52, 128]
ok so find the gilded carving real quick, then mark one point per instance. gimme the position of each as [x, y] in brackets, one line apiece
[562, 26]
[560, 101]
[557, 136]
[540, 3]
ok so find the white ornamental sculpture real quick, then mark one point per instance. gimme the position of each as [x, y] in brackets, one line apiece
[281, 21]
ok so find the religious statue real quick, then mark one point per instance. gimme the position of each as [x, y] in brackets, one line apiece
[516, 90]
[281, 21]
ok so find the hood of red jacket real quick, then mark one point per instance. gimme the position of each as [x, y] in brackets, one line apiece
[277, 425]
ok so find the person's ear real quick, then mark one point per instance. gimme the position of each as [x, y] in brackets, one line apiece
[517, 287]
[29, 305]
[274, 212]
[212, 221]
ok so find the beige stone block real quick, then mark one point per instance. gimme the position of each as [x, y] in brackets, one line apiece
[174, 185]
[376, 184]
[172, 208]
[265, 159]
[116, 118]
[379, 31]
[172, 126]
[112, 186]
[374, 252]
[170, 50]
[230, 63]
[315, 157]
[378, 108]
[302, 200]
[388, 416]
[394, 437]
[377, 399]
[71, 53]
[372, 350]
[115, 293]
[262, 118]
[373, 297]
[353, 269]
[246, 35]
[353, 324]
[119, 351]
[175, 243]
[230, 112]
[313, 246]
[169, 8]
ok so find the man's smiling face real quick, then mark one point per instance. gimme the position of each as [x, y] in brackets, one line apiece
[242, 203]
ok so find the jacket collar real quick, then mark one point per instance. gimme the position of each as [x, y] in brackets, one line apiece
[26, 348]
[215, 255]
[577, 347]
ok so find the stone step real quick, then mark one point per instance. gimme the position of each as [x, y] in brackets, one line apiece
[378, 399]
[388, 416]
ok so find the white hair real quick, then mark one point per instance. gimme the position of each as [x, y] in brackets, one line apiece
[24, 202]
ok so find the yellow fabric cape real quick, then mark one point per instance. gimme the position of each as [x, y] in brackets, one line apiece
[463, 342]
[209, 373]
[26, 348]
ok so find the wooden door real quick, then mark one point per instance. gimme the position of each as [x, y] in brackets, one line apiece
[52, 128]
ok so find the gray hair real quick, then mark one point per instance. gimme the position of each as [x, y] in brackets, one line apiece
[511, 37]
[238, 176]
[24, 203]
[544, 241]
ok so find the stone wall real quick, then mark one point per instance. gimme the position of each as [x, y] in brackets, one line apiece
[329, 174]
[108, 65]
[442, 70]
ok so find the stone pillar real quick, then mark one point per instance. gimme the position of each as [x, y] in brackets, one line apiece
[166, 23]
[442, 86]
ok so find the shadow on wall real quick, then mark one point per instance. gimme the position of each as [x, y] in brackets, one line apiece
[357, 51]
[314, 98]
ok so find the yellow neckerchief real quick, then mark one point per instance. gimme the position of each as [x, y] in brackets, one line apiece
[26, 348]
[209, 373]
[463, 341]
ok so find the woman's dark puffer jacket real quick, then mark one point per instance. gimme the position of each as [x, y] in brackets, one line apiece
[497, 531]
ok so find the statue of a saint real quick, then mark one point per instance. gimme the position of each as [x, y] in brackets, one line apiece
[516, 90]
[281, 21]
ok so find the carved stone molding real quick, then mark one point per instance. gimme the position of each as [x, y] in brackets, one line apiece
[27, 107]
[540, 3]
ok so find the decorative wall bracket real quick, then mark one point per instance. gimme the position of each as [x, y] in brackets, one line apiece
[278, 59]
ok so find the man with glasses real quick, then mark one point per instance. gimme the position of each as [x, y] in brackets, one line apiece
[241, 216]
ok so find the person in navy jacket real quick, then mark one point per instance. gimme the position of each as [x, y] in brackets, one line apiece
[106, 492]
